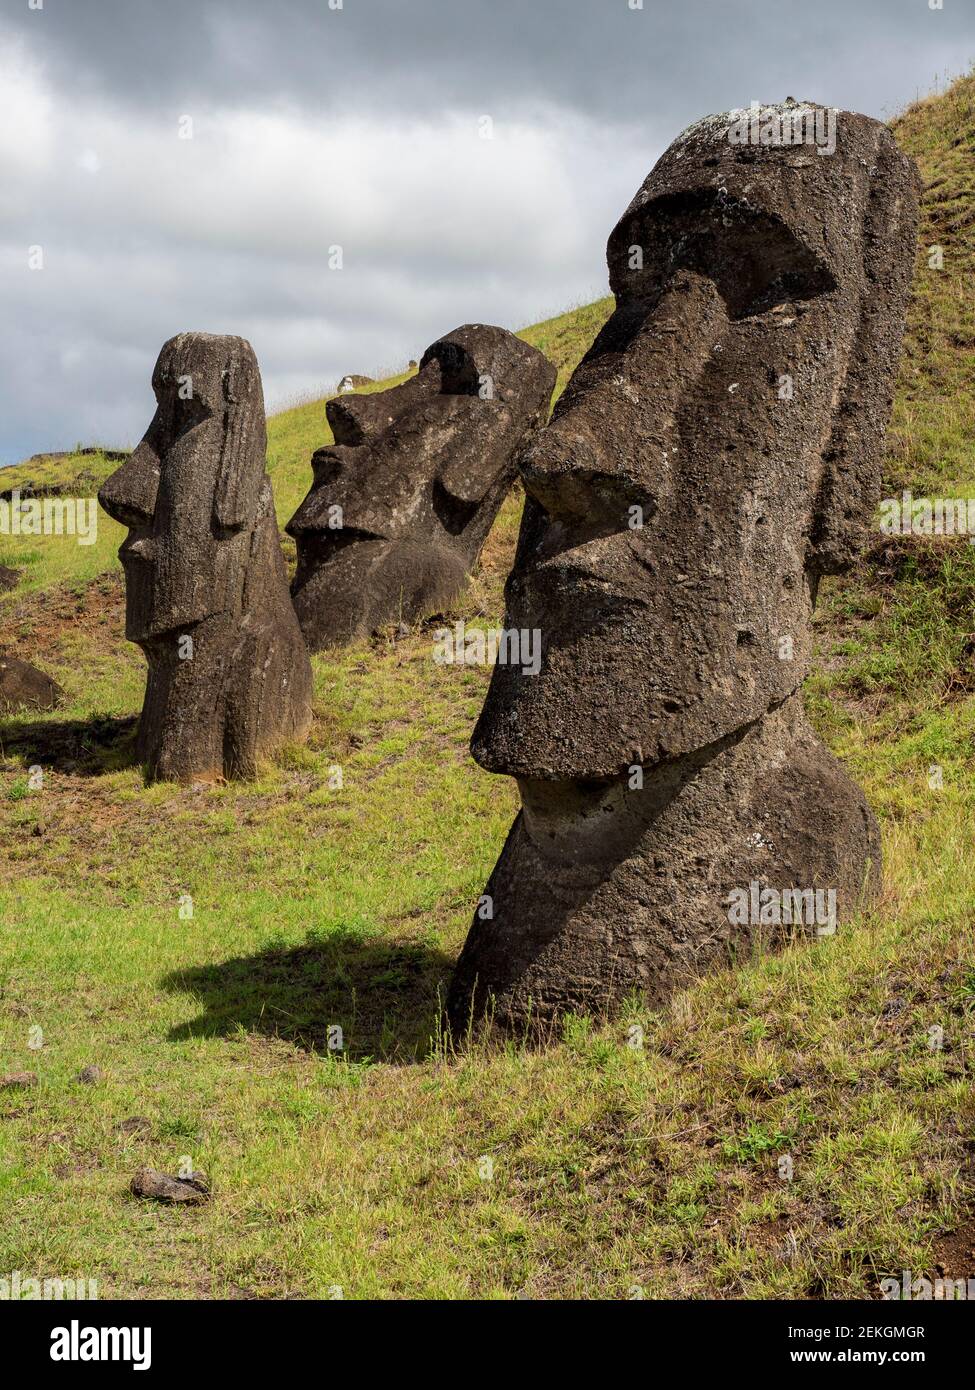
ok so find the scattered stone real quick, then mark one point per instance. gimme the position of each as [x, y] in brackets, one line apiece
[74, 1169]
[23, 687]
[206, 588]
[112, 455]
[9, 579]
[353, 380]
[135, 1124]
[90, 1076]
[403, 500]
[160, 1187]
[716, 452]
[80, 484]
[18, 1081]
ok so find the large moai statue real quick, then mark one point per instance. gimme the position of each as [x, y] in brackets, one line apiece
[206, 586]
[716, 452]
[403, 500]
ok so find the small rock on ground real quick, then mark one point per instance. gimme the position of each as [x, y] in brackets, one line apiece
[160, 1187]
[18, 1080]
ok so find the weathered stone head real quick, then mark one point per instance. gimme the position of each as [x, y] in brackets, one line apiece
[715, 453]
[206, 588]
[403, 501]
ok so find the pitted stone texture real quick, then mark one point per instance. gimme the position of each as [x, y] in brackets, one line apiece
[24, 687]
[716, 452]
[403, 500]
[206, 587]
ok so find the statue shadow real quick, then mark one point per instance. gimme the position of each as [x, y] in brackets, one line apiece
[386, 997]
[84, 747]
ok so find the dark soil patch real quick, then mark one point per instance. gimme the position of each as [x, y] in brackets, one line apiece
[953, 1255]
[40, 622]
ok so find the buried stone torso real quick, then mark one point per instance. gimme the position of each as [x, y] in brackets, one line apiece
[715, 453]
[402, 501]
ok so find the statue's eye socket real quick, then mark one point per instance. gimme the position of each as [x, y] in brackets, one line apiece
[326, 468]
[188, 412]
[760, 267]
[753, 257]
[775, 283]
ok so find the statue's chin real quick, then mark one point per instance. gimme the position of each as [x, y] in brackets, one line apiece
[370, 583]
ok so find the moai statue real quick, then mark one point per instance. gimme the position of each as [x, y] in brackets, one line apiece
[206, 587]
[716, 452]
[403, 500]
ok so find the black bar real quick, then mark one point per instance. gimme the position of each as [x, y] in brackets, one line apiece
[732, 1338]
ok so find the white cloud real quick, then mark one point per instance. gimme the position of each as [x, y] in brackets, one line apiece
[230, 231]
[313, 127]
[27, 114]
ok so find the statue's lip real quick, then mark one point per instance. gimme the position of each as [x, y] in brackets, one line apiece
[139, 550]
[339, 536]
[500, 760]
[572, 572]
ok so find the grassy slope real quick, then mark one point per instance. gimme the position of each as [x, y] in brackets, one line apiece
[614, 1167]
[931, 438]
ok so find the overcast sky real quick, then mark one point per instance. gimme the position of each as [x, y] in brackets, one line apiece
[361, 127]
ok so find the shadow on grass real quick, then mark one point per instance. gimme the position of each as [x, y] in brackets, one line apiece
[84, 747]
[386, 997]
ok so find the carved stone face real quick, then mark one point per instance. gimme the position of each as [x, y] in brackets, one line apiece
[677, 523]
[404, 498]
[716, 452]
[206, 588]
[190, 491]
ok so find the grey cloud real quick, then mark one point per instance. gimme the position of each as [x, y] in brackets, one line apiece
[677, 59]
[314, 127]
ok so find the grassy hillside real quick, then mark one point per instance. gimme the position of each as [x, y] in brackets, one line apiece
[931, 438]
[616, 1169]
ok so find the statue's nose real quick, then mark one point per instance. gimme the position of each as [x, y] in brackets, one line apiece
[129, 495]
[356, 420]
[577, 479]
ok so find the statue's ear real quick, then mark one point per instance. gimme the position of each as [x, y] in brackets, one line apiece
[853, 461]
[243, 448]
[477, 457]
[470, 468]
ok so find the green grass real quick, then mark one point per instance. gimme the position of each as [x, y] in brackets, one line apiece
[640, 1156]
[930, 438]
[46, 561]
